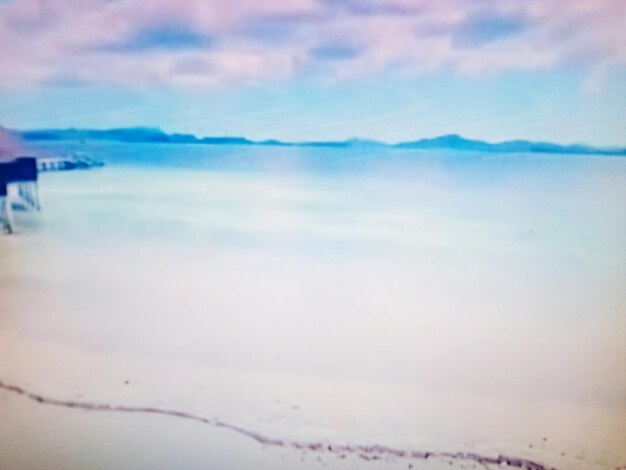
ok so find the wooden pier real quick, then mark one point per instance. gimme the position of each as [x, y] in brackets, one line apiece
[19, 182]
[75, 162]
[18, 187]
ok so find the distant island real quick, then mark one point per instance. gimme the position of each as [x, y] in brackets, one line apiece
[452, 142]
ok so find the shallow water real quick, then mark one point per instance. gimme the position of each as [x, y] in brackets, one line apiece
[443, 302]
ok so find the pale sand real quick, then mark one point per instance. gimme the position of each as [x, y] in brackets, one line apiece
[494, 354]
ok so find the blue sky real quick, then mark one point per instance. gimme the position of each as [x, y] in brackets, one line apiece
[314, 69]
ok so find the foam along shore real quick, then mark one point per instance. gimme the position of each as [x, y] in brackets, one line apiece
[19, 182]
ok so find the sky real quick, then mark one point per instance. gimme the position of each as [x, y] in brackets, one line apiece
[392, 70]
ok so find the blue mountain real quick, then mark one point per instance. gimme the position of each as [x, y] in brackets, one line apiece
[451, 141]
[456, 142]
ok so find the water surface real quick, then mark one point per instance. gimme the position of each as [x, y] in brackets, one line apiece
[442, 301]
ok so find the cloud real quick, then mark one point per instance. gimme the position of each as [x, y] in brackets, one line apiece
[164, 37]
[335, 52]
[487, 28]
[205, 43]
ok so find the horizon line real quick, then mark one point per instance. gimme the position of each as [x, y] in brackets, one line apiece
[355, 140]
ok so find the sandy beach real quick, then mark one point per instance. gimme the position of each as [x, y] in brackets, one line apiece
[307, 311]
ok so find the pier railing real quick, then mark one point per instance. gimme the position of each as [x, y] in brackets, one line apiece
[75, 162]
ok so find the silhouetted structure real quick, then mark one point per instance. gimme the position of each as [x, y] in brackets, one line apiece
[18, 186]
[26, 180]
[6, 214]
[18, 182]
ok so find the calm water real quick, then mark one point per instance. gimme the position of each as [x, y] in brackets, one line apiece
[422, 300]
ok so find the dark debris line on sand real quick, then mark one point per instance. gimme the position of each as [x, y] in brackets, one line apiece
[365, 452]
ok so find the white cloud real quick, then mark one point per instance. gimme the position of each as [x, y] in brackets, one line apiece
[215, 42]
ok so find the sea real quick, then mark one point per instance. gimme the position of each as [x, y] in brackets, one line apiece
[232, 306]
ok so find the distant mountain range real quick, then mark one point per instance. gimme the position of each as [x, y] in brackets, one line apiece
[454, 142]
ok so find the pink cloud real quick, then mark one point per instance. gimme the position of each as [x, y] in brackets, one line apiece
[220, 42]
